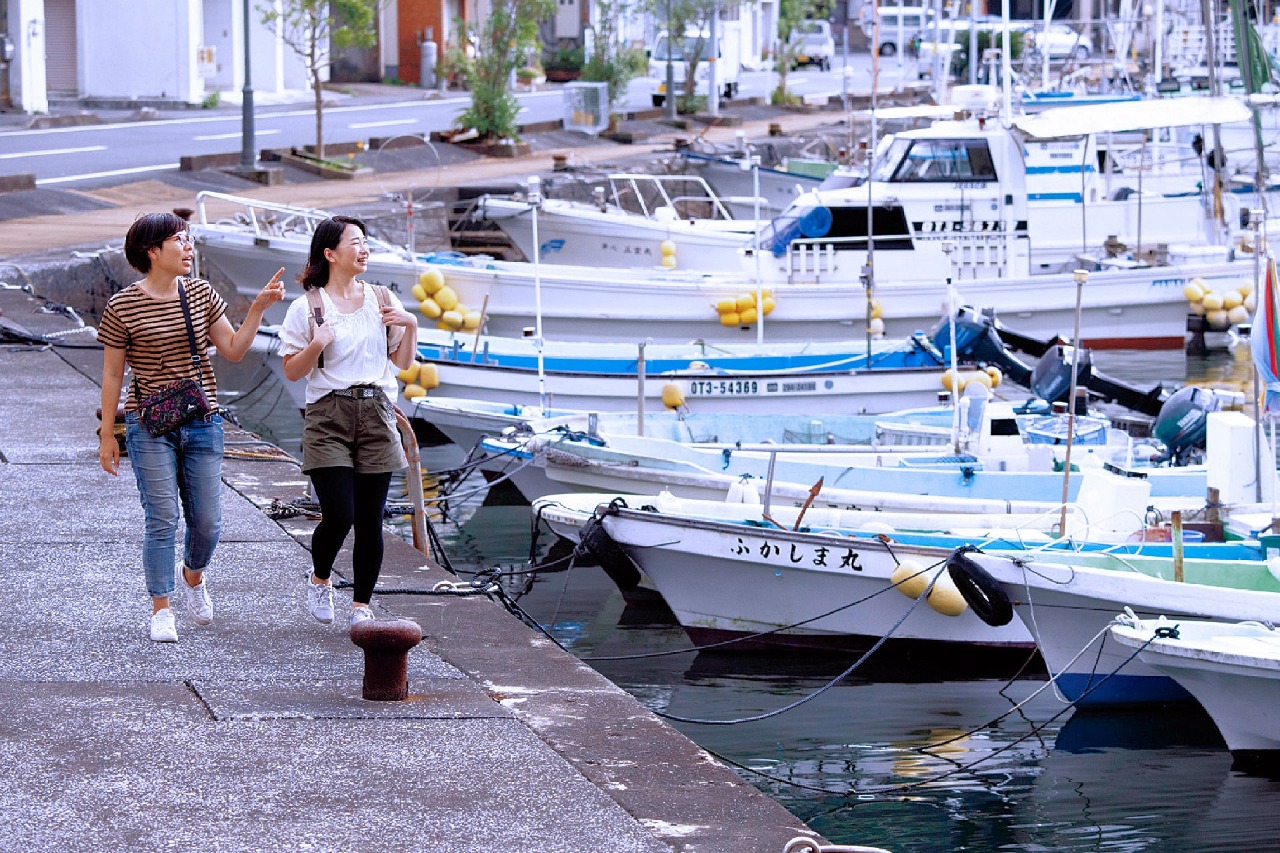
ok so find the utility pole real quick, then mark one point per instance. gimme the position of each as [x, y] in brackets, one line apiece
[248, 159]
[671, 73]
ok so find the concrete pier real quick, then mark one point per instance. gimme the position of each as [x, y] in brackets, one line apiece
[251, 734]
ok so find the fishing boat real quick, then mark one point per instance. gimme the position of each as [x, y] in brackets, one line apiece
[1233, 671]
[990, 467]
[626, 224]
[1022, 236]
[746, 577]
[727, 570]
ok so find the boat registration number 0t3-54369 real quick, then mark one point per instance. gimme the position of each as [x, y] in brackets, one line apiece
[747, 387]
[722, 387]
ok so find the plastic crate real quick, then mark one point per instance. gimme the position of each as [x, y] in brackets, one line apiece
[586, 107]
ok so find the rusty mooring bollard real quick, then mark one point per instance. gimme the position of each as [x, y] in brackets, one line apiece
[386, 656]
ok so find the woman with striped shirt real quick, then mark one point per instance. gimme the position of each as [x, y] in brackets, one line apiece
[143, 326]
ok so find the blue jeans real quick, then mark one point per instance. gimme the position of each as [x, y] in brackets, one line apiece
[184, 466]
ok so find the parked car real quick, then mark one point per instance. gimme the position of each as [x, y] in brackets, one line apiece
[900, 27]
[814, 44]
[1060, 41]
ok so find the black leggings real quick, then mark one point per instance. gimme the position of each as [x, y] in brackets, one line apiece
[347, 500]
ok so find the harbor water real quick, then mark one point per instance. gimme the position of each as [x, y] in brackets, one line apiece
[901, 762]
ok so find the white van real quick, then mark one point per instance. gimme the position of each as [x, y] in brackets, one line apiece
[899, 27]
[728, 64]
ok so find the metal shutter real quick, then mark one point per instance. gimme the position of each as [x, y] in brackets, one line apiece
[61, 67]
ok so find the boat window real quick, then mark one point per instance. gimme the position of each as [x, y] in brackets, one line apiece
[945, 160]
[840, 180]
[1004, 426]
[888, 226]
[887, 163]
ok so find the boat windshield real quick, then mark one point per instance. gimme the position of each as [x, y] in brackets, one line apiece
[926, 160]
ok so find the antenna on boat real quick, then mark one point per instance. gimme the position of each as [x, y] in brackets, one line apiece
[1081, 277]
[949, 246]
[535, 202]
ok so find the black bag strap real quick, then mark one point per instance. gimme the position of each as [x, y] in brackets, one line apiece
[191, 341]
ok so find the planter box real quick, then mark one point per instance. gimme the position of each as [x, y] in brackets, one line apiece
[501, 149]
[320, 167]
[563, 75]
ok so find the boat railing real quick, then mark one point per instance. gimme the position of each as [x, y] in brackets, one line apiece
[653, 191]
[269, 219]
[975, 254]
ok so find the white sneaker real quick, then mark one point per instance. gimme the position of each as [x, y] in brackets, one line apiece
[162, 628]
[358, 615]
[199, 605]
[320, 601]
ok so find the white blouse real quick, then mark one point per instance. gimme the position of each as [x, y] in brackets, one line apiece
[359, 354]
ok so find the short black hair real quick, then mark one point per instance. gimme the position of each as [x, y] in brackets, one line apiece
[148, 232]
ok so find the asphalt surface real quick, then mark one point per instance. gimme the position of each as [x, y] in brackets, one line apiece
[252, 734]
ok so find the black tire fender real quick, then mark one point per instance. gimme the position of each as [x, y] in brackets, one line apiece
[617, 564]
[980, 591]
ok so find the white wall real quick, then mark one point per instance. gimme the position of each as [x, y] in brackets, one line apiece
[27, 77]
[140, 49]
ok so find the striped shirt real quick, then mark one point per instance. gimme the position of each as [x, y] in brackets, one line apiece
[153, 336]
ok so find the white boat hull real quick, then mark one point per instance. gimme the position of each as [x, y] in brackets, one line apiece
[727, 580]
[1232, 670]
[1133, 308]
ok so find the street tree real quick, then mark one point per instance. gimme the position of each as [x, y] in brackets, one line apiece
[318, 29]
[510, 31]
[679, 17]
[609, 60]
[791, 14]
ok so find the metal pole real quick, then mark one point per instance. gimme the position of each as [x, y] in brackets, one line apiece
[671, 73]
[755, 191]
[1081, 276]
[248, 159]
[713, 64]
[535, 201]
[1256, 217]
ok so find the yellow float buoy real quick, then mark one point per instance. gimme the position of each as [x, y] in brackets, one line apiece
[1194, 290]
[413, 391]
[446, 298]
[1238, 315]
[419, 292]
[429, 376]
[728, 305]
[471, 320]
[996, 376]
[430, 309]
[729, 319]
[748, 317]
[410, 374]
[945, 597]
[668, 261]
[768, 305]
[1196, 308]
[910, 578]
[431, 281]
[1250, 303]
[451, 320]
[1232, 299]
[745, 301]
[672, 396]
[877, 310]
[1211, 301]
[1217, 319]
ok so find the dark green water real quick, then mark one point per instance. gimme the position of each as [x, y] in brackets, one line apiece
[904, 765]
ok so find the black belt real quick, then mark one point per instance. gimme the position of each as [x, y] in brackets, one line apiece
[359, 392]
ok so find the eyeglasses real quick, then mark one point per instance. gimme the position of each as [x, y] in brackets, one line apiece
[183, 238]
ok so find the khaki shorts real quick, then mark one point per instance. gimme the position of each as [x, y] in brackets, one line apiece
[345, 432]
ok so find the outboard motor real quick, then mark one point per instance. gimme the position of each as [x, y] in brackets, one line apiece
[1051, 379]
[1183, 424]
[978, 340]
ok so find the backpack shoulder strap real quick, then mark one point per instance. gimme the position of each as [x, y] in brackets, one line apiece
[316, 303]
[383, 294]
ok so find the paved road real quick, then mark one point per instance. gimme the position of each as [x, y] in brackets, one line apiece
[122, 149]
